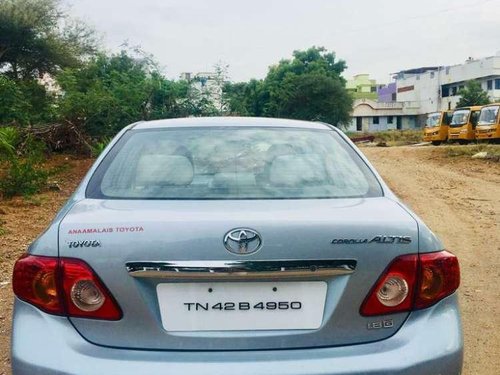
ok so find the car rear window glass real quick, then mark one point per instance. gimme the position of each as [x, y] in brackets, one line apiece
[232, 163]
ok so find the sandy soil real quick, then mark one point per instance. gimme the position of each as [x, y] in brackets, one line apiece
[457, 197]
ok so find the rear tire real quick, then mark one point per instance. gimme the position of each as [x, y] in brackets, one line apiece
[436, 143]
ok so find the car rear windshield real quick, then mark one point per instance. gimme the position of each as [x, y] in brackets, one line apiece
[232, 163]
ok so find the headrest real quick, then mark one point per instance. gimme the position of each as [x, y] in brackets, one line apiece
[280, 149]
[297, 170]
[233, 180]
[165, 170]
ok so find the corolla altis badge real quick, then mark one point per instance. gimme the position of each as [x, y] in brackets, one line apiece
[242, 241]
[87, 243]
[377, 239]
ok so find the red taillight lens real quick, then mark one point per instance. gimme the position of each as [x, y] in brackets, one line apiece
[403, 271]
[63, 286]
[413, 282]
[439, 277]
[85, 295]
[35, 281]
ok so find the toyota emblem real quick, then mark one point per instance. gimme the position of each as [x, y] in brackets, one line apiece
[242, 241]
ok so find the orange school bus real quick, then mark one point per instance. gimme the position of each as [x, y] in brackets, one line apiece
[463, 124]
[436, 127]
[488, 125]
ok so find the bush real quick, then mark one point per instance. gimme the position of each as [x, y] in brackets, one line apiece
[9, 140]
[21, 174]
[99, 146]
[24, 102]
[23, 177]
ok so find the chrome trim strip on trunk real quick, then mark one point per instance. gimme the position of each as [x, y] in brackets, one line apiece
[241, 269]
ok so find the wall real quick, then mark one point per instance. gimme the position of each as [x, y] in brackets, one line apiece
[421, 93]
[369, 110]
[362, 87]
[386, 93]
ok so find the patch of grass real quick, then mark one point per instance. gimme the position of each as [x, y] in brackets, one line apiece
[393, 137]
[35, 200]
[493, 151]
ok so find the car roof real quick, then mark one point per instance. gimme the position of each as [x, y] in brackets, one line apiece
[230, 121]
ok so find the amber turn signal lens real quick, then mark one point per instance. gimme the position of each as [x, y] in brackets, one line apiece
[44, 287]
[431, 283]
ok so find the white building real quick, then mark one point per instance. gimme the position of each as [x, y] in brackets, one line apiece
[208, 85]
[371, 116]
[431, 89]
[421, 91]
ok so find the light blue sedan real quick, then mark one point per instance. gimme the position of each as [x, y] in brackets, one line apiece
[235, 246]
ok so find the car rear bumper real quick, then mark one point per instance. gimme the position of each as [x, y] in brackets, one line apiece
[430, 342]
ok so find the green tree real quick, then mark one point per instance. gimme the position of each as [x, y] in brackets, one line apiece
[315, 97]
[14, 107]
[167, 99]
[110, 92]
[198, 100]
[246, 98]
[308, 87]
[472, 94]
[24, 102]
[314, 59]
[37, 37]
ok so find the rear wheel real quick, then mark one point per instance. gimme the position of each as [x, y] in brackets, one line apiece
[436, 143]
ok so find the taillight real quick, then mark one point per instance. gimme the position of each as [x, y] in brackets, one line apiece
[35, 281]
[85, 295]
[413, 282]
[63, 286]
[404, 270]
[439, 277]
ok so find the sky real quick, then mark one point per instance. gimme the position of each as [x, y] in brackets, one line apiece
[378, 37]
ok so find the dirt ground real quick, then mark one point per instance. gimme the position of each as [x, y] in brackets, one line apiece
[457, 197]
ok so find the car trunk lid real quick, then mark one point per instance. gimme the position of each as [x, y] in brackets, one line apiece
[361, 236]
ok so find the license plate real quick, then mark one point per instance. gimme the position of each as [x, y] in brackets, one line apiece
[241, 306]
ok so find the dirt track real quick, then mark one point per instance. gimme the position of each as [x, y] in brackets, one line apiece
[458, 198]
